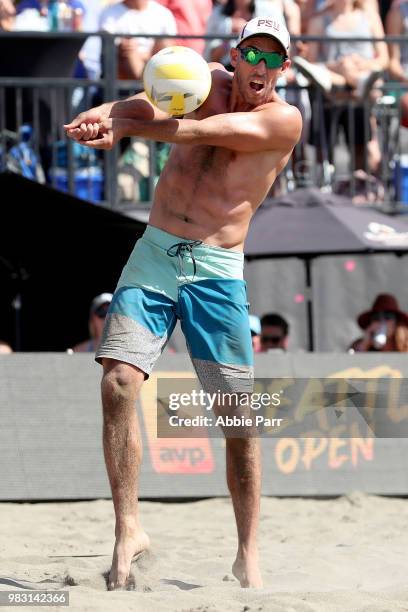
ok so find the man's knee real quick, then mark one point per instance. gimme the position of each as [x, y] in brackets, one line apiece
[120, 382]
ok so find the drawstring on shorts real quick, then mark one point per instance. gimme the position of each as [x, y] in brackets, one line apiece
[180, 249]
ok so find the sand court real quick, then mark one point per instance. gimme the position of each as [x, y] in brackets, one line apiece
[343, 554]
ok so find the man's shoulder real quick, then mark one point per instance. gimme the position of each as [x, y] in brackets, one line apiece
[220, 83]
[219, 73]
[280, 108]
[284, 119]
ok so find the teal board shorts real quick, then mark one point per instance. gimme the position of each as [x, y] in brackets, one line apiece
[169, 278]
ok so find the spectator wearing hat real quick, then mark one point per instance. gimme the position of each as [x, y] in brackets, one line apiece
[385, 327]
[274, 332]
[97, 314]
[255, 327]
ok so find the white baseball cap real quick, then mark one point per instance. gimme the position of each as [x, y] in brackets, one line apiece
[255, 324]
[99, 300]
[273, 26]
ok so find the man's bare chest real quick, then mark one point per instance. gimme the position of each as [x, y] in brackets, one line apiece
[201, 164]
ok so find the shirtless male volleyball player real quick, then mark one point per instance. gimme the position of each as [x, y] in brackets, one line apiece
[189, 265]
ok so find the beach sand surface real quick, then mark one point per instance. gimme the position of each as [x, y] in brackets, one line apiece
[342, 555]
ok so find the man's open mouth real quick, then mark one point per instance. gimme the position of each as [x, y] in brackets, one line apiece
[256, 85]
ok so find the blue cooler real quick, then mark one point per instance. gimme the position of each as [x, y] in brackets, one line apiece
[401, 180]
[88, 182]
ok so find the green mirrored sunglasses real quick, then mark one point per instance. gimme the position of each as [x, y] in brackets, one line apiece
[252, 55]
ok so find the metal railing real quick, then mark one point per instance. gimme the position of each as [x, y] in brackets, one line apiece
[125, 177]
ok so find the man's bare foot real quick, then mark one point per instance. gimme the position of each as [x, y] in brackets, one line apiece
[246, 570]
[126, 548]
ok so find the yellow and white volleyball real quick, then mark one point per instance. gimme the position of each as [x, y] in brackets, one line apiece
[177, 80]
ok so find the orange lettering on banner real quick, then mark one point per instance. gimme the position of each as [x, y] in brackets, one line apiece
[173, 455]
[395, 411]
[382, 371]
[311, 402]
[335, 459]
[289, 447]
[313, 448]
[290, 452]
[364, 446]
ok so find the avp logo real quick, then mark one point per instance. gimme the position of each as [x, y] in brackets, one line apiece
[173, 455]
[178, 456]
[190, 456]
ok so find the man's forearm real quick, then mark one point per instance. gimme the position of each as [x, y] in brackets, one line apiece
[176, 131]
[122, 109]
[136, 107]
[275, 128]
[241, 132]
[189, 131]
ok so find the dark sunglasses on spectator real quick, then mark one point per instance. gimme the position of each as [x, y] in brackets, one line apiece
[252, 55]
[102, 311]
[273, 339]
[384, 316]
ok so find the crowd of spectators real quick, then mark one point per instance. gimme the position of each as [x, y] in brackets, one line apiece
[341, 67]
[352, 64]
[342, 70]
[347, 63]
[385, 328]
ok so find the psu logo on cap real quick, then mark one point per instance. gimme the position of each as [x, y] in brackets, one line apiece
[269, 23]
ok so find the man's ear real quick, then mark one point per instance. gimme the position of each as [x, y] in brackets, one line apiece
[234, 53]
[286, 65]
